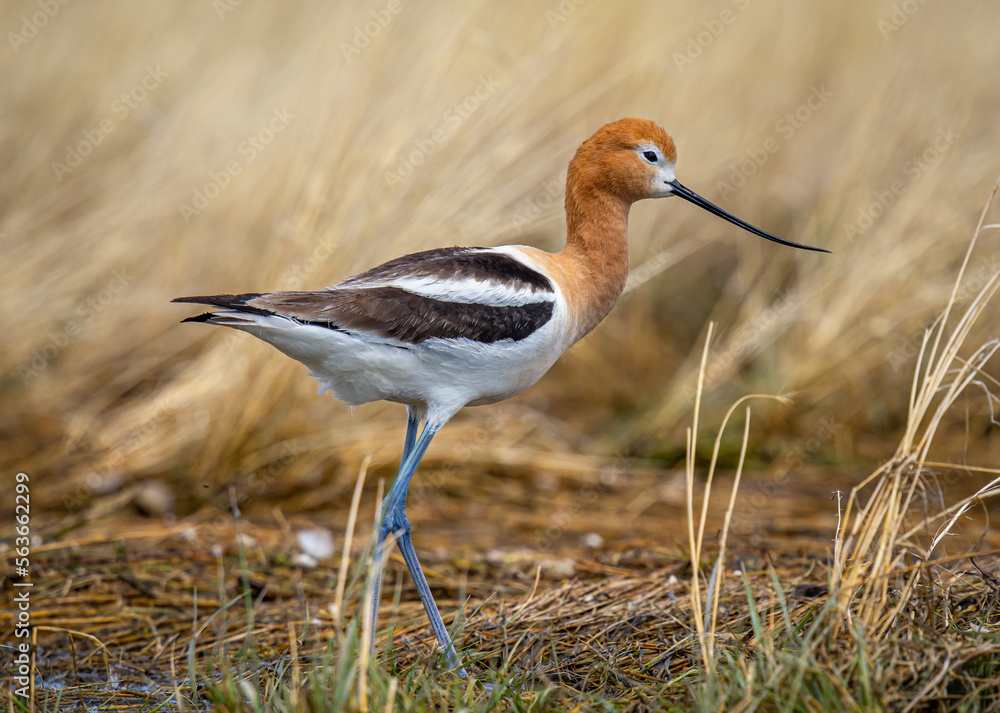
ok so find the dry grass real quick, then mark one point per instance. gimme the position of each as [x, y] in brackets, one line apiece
[134, 394]
[139, 432]
[905, 626]
[897, 626]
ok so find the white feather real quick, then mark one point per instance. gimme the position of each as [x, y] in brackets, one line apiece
[465, 290]
[441, 375]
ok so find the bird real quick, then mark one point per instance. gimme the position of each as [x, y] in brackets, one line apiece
[446, 328]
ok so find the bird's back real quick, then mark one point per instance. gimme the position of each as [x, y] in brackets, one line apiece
[450, 326]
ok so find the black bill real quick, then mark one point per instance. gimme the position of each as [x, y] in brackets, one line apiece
[692, 197]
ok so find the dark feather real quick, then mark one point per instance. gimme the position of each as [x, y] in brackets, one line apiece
[395, 313]
[456, 262]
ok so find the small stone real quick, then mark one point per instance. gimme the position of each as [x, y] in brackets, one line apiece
[301, 559]
[317, 543]
[155, 498]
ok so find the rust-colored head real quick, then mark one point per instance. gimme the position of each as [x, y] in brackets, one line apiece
[629, 158]
[626, 161]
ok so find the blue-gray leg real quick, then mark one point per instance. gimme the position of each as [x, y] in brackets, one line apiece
[437, 623]
[392, 519]
[412, 425]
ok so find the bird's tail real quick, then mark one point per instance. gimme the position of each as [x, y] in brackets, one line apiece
[237, 312]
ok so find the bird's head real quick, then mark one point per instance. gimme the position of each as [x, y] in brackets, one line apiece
[630, 158]
[633, 159]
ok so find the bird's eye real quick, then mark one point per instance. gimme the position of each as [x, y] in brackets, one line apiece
[649, 156]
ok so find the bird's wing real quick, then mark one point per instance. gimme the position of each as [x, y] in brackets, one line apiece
[449, 293]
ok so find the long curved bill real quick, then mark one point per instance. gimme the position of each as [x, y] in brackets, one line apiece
[687, 194]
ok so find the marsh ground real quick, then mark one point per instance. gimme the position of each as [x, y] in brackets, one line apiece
[155, 152]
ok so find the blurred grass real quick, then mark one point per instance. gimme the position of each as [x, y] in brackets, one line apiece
[102, 388]
[119, 412]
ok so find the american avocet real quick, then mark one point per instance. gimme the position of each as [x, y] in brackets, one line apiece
[452, 327]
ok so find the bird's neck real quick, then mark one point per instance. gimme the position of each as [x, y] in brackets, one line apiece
[596, 251]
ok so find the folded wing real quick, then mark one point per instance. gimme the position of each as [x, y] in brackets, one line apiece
[450, 293]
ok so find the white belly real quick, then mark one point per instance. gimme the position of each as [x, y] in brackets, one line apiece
[441, 374]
